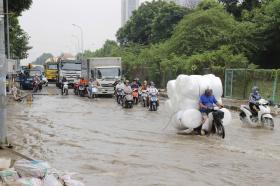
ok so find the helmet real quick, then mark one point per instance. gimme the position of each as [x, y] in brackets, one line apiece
[145, 82]
[255, 89]
[152, 83]
[208, 92]
[126, 81]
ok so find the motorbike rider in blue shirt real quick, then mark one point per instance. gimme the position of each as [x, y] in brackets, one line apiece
[206, 103]
[253, 100]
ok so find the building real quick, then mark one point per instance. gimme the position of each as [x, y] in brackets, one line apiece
[186, 3]
[128, 6]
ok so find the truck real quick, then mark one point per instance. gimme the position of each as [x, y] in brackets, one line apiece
[106, 70]
[50, 66]
[69, 68]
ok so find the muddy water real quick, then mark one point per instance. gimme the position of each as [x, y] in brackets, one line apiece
[107, 145]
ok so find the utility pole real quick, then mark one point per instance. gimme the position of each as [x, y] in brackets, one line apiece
[3, 73]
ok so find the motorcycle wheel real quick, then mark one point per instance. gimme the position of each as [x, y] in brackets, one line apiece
[219, 129]
[81, 93]
[242, 115]
[66, 92]
[268, 122]
[144, 103]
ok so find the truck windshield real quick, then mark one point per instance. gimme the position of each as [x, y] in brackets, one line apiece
[71, 66]
[52, 67]
[108, 72]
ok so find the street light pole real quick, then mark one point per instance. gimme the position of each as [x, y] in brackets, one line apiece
[3, 72]
[7, 28]
[78, 42]
[82, 37]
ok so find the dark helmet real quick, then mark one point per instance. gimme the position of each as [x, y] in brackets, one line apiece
[208, 92]
[255, 89]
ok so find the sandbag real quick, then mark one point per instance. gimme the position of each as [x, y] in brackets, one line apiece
[8, 175]
[36, 169]
[27, 182]
[68, 181]
[5, 163]
[51, 180]
[227, 116]
[191, 118]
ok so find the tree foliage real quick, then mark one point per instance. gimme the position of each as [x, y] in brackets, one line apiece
[18, 40]
[18, 6]
[19, 45]
[214, 35]
[152, 22]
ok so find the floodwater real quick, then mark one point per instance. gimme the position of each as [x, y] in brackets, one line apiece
[107, 145]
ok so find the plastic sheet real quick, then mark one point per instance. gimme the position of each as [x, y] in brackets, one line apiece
[191, 118]
[227, 116]
[51, 180]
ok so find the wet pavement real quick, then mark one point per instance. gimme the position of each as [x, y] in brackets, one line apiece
[108, 145]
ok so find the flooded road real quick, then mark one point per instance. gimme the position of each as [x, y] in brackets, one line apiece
[108, 145]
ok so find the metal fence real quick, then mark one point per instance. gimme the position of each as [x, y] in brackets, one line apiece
[238, 83]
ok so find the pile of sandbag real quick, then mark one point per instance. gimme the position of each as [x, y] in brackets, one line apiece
[184, 94]
[32, 173]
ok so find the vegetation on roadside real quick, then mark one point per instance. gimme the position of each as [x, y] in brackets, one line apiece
[18, 37]
[162, 39]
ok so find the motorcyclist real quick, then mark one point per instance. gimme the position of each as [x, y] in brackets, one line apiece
[120, 85]
[138, 82]
[206, 103]
[253, 100]
[152, 90]
[135, 85]
[83, 81]
[36, 83]
[144, 85]
[63, 81]
[127, 88]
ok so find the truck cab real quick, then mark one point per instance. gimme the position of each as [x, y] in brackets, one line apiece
[106, 76]
[69, 68]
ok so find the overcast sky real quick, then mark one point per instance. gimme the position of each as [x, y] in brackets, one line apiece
[49, 24]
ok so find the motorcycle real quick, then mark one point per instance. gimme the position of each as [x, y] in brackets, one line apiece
[82, 90]
[119, 95]
[36, 86]
[135, 95]
[153, 102]
[76, 88]
[127, 101]
[216, 117]
[263, 118]
[65, 88]
[144, 98]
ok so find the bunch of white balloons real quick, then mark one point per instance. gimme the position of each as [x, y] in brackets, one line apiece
[184, 94]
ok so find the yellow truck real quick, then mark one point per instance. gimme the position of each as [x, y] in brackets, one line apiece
[51, 69]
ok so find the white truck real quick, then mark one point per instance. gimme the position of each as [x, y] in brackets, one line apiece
[106, 70]
[69, 68]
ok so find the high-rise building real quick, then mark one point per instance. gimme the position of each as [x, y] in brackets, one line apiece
[128, 6]
[186, 3]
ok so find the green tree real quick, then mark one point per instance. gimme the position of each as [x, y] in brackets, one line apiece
[152, 22]
[18, 40]
[18, 6]
[19, 45]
